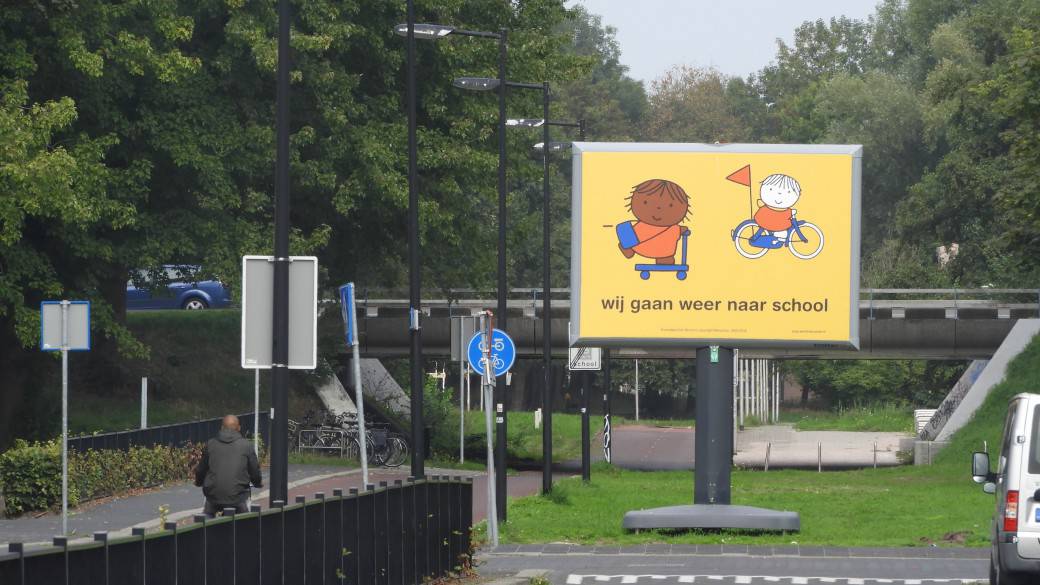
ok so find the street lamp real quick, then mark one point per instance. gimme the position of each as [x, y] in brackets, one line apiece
[411, 31]
[500, 84]
[434, 32]
[544, 123]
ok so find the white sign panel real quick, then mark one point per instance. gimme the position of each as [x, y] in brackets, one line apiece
[79, 326]
[585, 358]
[258, 309]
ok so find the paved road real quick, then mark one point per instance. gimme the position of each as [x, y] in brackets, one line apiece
[575, 565]
[651, 448]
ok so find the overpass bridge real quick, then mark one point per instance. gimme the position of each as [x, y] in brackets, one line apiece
[894, 323]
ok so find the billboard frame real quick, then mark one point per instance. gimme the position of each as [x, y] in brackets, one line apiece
[855, 151]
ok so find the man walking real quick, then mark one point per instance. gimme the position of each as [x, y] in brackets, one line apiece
[228, 467]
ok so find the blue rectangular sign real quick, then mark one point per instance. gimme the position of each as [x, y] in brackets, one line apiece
[347, 306]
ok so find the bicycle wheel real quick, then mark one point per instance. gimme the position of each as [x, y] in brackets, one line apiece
[808, 248]
[398, 452]
[352, 448]
[742, 240]
[309, 438]
[378, 448]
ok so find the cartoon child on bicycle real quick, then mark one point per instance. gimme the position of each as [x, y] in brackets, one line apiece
[776, 198]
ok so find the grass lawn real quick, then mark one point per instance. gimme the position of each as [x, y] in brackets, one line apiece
[904, 506]
[881, 418]
[525, 442]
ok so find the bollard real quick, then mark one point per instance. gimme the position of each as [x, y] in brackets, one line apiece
[819, 457]
[875, 454]
[769, 447]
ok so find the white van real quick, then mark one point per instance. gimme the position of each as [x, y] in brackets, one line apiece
[1015, 556]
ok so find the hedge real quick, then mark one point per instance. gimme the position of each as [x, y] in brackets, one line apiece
[30, 473]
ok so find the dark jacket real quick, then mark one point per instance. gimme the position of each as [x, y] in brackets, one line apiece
[227, 468]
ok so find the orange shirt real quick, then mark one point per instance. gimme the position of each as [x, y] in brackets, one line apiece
[656, 241]
[773, 219]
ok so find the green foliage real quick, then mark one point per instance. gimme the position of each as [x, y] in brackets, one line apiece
[879, 418]
[30, 473]
[850, 383]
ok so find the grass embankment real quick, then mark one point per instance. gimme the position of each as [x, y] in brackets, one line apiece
[905, 506]
[193, 372]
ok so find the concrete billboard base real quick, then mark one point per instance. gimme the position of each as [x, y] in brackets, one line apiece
[712, 516]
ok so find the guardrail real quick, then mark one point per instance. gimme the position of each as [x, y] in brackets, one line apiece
[173, 435]
[407, 533]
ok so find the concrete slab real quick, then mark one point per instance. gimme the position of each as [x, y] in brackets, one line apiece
[712, 516]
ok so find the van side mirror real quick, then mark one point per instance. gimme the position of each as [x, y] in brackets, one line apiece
[980, 467]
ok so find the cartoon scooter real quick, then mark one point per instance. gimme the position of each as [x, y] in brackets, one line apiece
[627, 238]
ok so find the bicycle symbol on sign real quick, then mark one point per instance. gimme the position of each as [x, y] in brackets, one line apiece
[503, 352]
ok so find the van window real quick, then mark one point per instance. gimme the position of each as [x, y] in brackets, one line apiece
[1034, 451]
[1009, 432]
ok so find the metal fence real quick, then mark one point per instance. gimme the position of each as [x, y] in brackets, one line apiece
[174, 435]
[407, 533]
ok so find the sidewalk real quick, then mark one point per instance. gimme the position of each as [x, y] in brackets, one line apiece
[118, 515]
[789, 448]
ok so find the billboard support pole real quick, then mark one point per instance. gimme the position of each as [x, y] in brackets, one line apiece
[713, 453]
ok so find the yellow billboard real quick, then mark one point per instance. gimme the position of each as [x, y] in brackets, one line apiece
[742, 245]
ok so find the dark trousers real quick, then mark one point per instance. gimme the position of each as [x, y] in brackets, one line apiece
[241, 506]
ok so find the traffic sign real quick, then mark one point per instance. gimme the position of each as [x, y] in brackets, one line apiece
[503, 352]
[585, 358]
[258, 306]
[78, 328]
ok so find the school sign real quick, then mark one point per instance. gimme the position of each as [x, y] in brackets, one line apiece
[743, 245]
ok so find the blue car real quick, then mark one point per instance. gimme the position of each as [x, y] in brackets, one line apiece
[176, 288]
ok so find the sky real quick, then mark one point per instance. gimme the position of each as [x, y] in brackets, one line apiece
[736, 37]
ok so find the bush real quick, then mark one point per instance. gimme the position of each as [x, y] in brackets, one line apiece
[30, 473]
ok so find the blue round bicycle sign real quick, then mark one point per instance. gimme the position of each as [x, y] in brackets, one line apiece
[503, 352]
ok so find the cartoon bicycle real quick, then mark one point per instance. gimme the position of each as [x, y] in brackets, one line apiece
[804, 239]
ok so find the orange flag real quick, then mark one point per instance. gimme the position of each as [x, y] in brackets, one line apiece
[742, 176]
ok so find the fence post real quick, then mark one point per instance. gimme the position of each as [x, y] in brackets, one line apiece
[19, 549]
[63, 542]
[102, 537]
[467, 520]
[382, 533]
[422, 557]
[139, 532]
[875, 454]
[351, 534]
[395, 528]
[769, 447]
[410, 524]
[280, 506]
[819, 457]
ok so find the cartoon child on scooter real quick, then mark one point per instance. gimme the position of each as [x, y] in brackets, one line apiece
[660, 206]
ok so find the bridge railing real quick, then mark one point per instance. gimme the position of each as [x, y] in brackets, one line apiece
[409, 532]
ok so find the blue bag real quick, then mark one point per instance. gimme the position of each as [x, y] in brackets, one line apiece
[626, 235]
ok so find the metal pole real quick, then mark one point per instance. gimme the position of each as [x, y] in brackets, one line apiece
[637, 389]
[256, 412]
[742, 372]
[64, 417]
[144, 403]
[414, 269]
[359, 395]
[280, 319]
[546, 305]
[586, 440]
[736, 381]
[462, 392]
[486, 388]
[500, 382]
[607, 390]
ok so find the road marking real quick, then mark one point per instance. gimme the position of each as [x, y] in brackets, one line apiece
[750, 579]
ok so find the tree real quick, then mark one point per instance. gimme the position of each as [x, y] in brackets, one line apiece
[693, 105]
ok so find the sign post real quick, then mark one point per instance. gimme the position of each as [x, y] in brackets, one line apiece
[485, 364]
[65, 327]
[715, 247]
[348, 304]
[585, 360]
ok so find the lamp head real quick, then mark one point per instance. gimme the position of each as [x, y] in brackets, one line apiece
[476, 83]
[425, 31]
[553, 146]
[526, 122]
